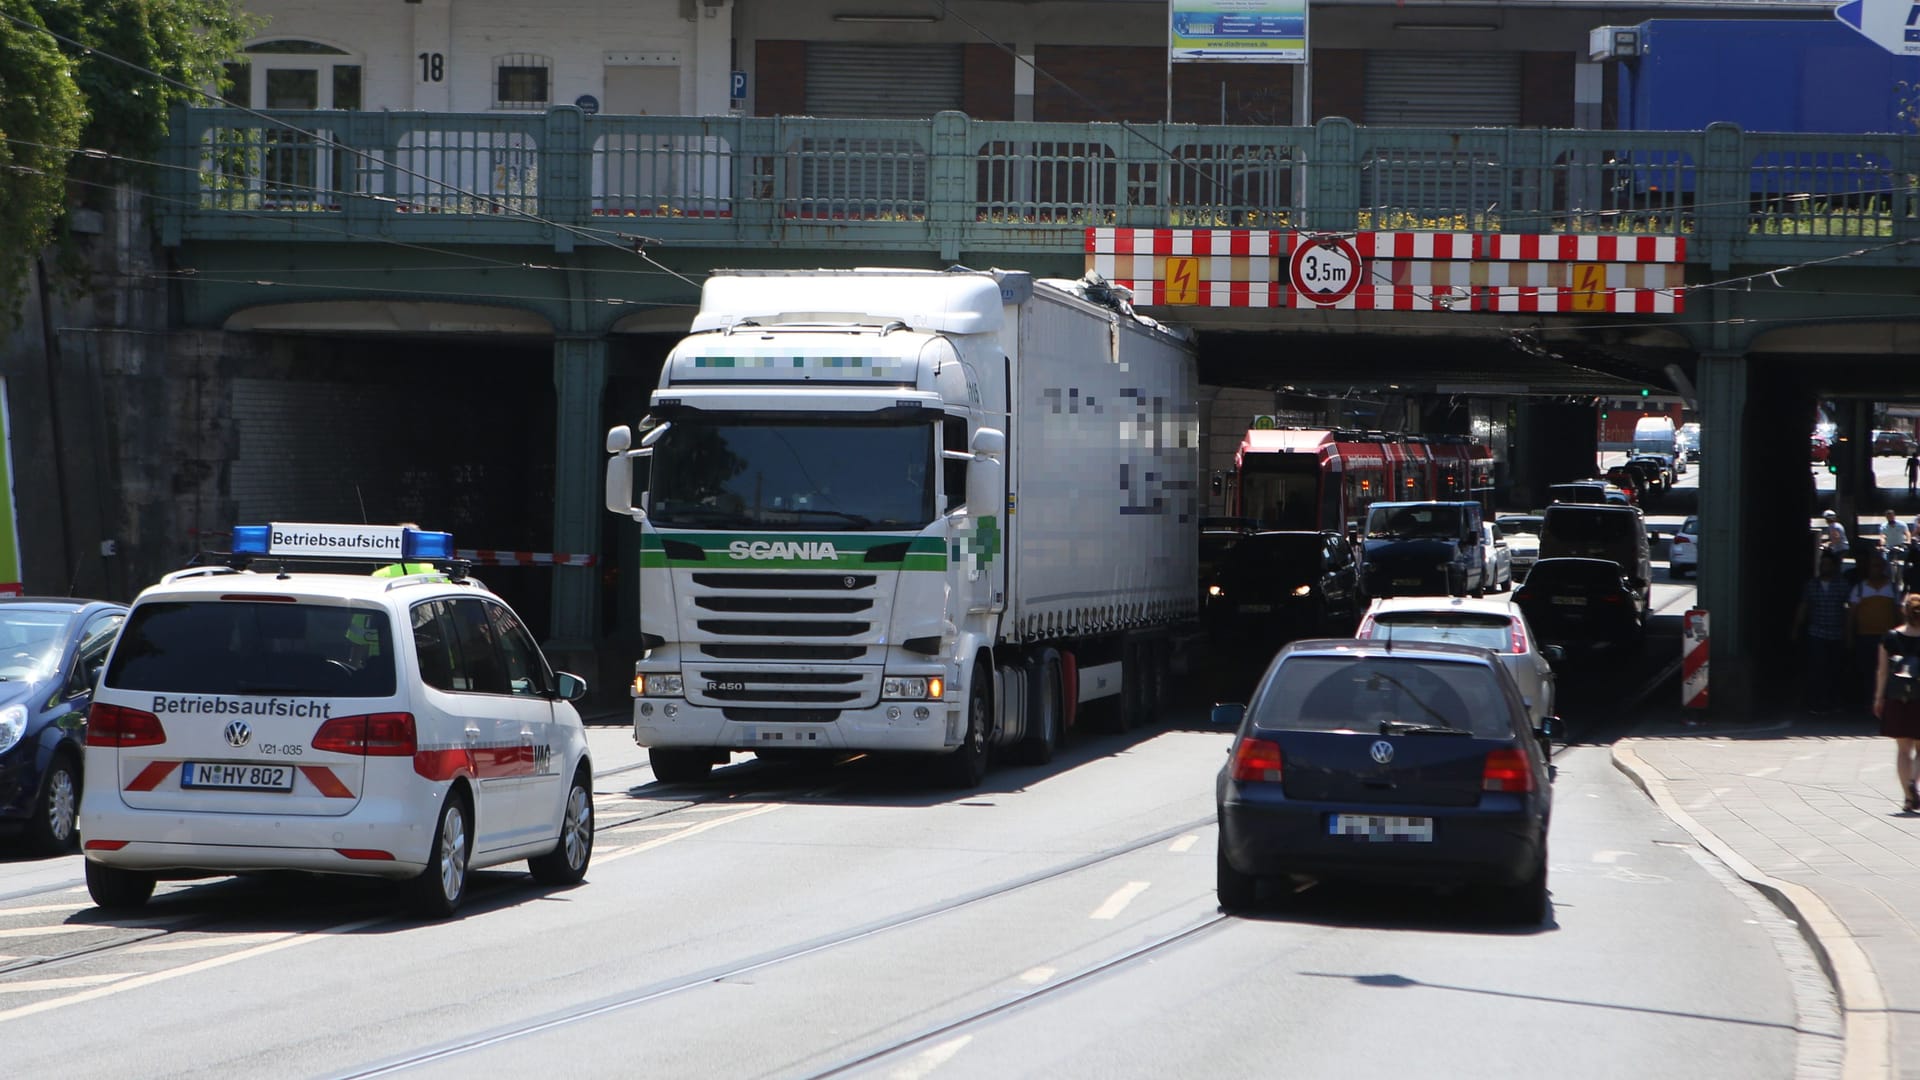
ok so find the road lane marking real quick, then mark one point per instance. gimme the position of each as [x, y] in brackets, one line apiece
[924, 1064]
[287, 941]
[1185, 843]
[643, 826]
[202, 943]
[67, 982]
[42, 909]
[1611, 856]
[1036, 976]
[1118, 902]
[1768, 771]
[55, 928]
[712, 823]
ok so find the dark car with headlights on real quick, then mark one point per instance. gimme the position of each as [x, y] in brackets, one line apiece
[1386, 761]
[1277, 586]
[1425, 549]
[51, 651]
[1581, 604]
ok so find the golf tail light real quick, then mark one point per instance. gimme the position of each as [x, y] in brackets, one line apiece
[1506, 770]
[1516, 635]
[1257, 761]
[369, 735]
[113, 725]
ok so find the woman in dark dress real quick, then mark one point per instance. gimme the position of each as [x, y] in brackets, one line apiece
[1898, 709]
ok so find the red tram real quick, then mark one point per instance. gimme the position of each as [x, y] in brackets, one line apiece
[1319, 478]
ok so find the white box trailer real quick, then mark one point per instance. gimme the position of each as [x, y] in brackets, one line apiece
[908, 510]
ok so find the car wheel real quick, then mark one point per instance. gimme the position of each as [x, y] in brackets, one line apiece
[438, 890]
[1045, 699]
[1525, 904]
[966, 765]
[680, 764]
[115, 889]
[567, 863]
[51, 830]
[1237, 891]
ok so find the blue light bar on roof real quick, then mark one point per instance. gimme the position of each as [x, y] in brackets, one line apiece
[420, 544]
[328, 541]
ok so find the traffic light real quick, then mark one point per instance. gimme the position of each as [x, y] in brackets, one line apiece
[1644, 392]
[1833, 467]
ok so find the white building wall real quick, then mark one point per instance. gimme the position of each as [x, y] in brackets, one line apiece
[575, 35]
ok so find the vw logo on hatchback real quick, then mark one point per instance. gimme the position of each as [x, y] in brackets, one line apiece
[238, 733]
[1382, 751]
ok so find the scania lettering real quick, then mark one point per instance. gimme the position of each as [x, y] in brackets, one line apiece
[907, 510]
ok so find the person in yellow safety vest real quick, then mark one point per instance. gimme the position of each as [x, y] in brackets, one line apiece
[360, 629]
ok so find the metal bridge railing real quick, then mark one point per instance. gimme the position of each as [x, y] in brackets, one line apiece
[950, 182]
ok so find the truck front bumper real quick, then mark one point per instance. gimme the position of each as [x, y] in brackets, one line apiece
[874, 728]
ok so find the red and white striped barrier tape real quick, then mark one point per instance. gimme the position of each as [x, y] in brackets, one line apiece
[1693, 660]
[489, 557]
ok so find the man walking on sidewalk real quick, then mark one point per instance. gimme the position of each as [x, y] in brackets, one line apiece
[1894, 538]
[1820, 622]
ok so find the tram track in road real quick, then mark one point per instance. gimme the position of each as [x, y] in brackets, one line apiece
[956, 1026]
[742, 968]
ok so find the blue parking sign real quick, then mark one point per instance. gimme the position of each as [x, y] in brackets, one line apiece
[738, 87]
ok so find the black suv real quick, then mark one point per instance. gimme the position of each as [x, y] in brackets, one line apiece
[1273, 587]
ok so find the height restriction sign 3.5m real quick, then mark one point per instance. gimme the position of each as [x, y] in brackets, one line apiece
[1327, 271]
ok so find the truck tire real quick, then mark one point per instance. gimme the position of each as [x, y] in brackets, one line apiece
[1046, 701]
[680, 764]
[966, 765]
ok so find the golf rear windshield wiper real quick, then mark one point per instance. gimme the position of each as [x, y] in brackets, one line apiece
[1395, 727]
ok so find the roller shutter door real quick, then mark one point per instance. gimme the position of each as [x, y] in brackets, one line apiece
[882, 81]
[1443, 89]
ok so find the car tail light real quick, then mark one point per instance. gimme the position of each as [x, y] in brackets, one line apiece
[1257, 760]
[115, 725]
[1613, 598]
[1365, 629]
[1506, 770]
[1516, 635]
[371, 735]
[1682, 538]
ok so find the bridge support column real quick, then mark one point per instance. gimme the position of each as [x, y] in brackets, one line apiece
[1725, 384]
[579, 378]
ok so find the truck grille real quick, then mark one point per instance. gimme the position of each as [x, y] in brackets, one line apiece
[845, 687]
[784, 605]
[785, 641]
[784, 652]
[780, 628]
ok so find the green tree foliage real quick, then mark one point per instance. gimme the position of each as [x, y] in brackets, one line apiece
[105, 86]
[41, 114]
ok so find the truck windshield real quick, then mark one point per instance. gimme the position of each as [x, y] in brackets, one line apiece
[801, 475]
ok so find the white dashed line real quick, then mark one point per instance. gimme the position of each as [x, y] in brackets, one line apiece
[1185, 843]
[201, 943]
[1036, 976]
[43, 909]
[690, 830]
[924, 1064]
[1118, 902]
[65, 983]
[55, 928]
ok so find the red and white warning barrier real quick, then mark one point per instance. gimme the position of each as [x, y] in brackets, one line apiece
[1693, 660]
[489, 557]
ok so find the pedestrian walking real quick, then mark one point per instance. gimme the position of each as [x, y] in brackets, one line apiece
[1896, 702]
[1894, 538]
[1833, 537]
[1913, 471]
[1820, 623]
[1873, 608]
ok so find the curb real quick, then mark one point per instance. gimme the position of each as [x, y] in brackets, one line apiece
[1867, 1053]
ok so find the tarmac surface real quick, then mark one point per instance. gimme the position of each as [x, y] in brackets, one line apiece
[1808, 810]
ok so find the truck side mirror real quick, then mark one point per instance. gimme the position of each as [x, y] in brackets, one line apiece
[989, 442]
[620, 471]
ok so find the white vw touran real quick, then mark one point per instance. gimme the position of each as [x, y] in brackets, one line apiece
[401, 724]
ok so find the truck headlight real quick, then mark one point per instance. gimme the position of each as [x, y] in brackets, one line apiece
[13, 724]
[658, 684]
[1215, 590]
[913, 687]
[1303, 590]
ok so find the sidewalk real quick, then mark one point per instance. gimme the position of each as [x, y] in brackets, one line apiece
[1809, 812]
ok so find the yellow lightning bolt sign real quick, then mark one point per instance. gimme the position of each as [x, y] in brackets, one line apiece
[1183, 279]
[1589, 287]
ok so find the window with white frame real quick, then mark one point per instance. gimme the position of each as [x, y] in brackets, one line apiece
[522, 81]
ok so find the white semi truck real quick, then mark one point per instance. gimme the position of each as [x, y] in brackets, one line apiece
[907, 510]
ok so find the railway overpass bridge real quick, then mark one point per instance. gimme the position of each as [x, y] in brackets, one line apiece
[1752, 273]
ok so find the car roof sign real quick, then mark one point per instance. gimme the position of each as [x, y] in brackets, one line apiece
[330, 541]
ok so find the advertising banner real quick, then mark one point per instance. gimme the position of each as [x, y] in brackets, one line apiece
[1238, 31]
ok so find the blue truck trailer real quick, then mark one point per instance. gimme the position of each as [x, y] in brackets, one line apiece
[1801, 75]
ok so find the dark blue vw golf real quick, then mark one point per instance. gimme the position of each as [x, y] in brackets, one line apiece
[1411, 762]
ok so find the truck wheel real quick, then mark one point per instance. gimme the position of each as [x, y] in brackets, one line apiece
[114, 889]
[680, 764]
[1045, 701]
[966, 765]
[566, 864]
[1136, 687]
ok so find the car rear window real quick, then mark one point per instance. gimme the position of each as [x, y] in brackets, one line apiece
[1327, 693]
[1582, 573]
[1588, 526]
[253, 647]
[1485, 630]
[1519, 525]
